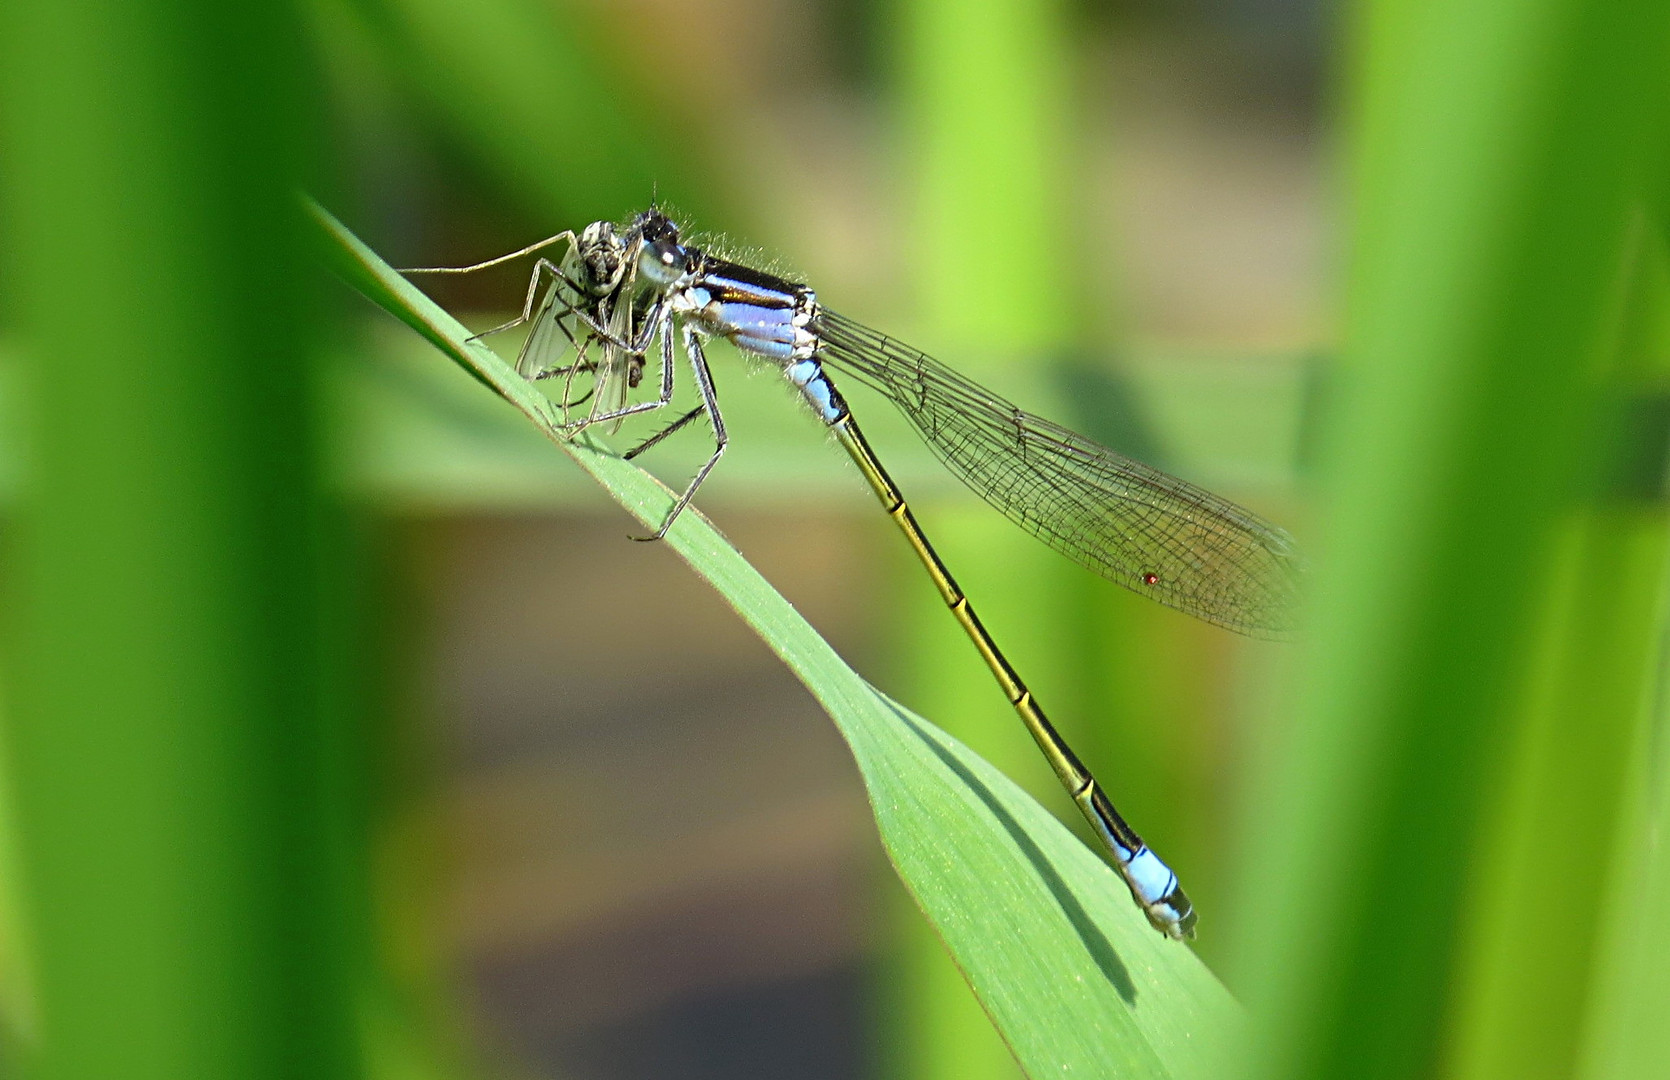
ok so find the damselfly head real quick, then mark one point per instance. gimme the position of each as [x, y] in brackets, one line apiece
[662, 260]
[602, 258]
[652, 226]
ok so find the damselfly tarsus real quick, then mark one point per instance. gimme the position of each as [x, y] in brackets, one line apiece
[620, 299]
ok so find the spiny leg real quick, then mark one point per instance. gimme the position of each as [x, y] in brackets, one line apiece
[662, 316]
[676, 425]
[667, 359]
[567, 374]
[710, 405]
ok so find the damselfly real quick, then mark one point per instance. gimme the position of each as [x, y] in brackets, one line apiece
[622, 299]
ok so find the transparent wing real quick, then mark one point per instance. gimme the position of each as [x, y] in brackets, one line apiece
[617, 369]
[563, 352]
[1153, 533]
[551, 343]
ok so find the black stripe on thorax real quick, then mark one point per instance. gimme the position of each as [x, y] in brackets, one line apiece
[733, 283]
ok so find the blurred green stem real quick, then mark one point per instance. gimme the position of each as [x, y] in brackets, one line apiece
[174, 736]
[1526, 983]
[1497, 148]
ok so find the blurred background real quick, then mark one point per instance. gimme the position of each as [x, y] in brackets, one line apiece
[582, 824]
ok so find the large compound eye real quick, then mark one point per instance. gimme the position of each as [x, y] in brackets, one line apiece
[662, 262]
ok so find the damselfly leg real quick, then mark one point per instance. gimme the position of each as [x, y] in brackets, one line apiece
[589, 308]
[709, 405]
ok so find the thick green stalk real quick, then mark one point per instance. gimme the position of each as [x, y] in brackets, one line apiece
[1495, 156]
[1526, 982]
[176, 780]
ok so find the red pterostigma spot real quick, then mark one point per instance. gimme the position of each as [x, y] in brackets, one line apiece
[1150, 579]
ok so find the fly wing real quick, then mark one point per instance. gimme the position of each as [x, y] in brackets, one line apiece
[1153, 533]
[617, 368]
[552, 340]
[562, 350]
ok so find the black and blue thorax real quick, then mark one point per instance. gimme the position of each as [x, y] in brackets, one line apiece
[762, 315]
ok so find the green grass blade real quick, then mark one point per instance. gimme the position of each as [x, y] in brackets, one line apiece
[1070, 972]
[1498, 147]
